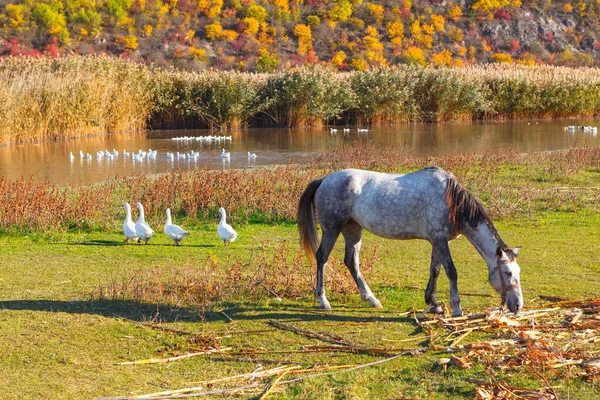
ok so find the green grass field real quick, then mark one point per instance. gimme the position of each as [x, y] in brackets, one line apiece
[72, 307]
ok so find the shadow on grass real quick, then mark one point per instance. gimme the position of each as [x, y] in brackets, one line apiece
[162, 313]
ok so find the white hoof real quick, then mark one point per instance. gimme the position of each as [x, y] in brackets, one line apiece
[375, 303]
[324, 304]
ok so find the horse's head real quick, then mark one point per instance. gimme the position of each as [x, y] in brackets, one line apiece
[505, 278]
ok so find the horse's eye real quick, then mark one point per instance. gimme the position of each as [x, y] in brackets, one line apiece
[509, 273]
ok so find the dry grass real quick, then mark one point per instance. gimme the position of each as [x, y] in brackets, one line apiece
[74, 96]
[77, 96]
[509, 184]
[273, 272]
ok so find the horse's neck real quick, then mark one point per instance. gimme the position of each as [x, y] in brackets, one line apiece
[484, 241]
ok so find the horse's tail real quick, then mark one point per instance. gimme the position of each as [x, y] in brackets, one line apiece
[306, 219]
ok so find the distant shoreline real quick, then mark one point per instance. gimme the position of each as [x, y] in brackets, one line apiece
[43, 98]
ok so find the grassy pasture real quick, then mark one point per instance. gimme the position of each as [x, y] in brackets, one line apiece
[75, 300]
[63, 296]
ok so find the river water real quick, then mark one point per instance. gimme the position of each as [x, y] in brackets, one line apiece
[50, 161]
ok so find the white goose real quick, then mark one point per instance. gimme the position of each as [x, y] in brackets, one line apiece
[173, 231]
[225, 155]
[225, 231]
[142, 229]
[252, 156]
[128, 225]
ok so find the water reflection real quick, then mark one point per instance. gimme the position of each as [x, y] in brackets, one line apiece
[50, 160]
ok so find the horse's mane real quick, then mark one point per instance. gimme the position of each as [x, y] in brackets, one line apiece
[464, 208]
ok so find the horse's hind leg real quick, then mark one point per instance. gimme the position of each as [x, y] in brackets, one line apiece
[327, 243]
[434, 272]
[352, 232]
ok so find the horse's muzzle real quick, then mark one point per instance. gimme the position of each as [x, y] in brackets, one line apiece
[514, 301]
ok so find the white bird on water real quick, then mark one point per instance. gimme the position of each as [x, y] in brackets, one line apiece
[173, 231]
[252, 156]
[225, 155]
[225, 231]
[128, 225]
[142, 229]
[71, 156]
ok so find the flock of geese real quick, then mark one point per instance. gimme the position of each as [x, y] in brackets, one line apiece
[587, 129]
[333, 131]
[150, 154]
[142, 232]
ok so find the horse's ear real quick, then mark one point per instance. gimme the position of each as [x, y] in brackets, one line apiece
[499, 252]
[516, 250]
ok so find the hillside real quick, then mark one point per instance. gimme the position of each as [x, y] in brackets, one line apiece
[266, 35]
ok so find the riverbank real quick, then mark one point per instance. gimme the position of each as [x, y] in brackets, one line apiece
[511, 184]
[78, 96]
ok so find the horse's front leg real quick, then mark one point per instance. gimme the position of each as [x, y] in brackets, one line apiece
[352, 232]
[327, 243]
[434, 273]
[443, 253]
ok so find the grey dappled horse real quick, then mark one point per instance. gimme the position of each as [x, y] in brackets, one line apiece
[428, 204]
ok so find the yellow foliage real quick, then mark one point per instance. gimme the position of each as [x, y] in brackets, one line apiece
[376, 10]
[338, 58]
[359, 64]
[148, 30]
[304, 35]
[407, 4]
[173, 4]
[15, 14]
[372, 31]
[493, 5]
[568, 7]
[456, 34]
[196, 53]
[526, 59]
[251, 26]
[129, 41]
[502, 58]
[83, 32]
[190, 34]
[267, 33]
[442, 58]
[213, 31]
[428, 29]
[472, 51]
[438, 22]
[281, 4]
[163, 10]
[458, 63]
[455, 13]
[486, 47]
[415, 29]
[341, 11]
[395, 29]
[426, 41]
[461, 50]
[397, 41]
[229, 34]
[414, 55]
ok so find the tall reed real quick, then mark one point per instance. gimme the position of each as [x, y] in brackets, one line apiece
[76, 96]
